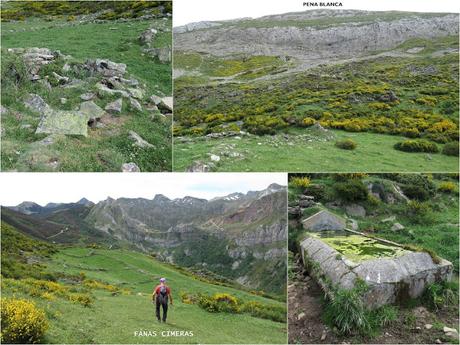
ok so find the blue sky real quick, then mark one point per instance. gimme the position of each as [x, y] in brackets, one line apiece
[69, 187]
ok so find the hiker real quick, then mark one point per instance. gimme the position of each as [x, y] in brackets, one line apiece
[160, 296]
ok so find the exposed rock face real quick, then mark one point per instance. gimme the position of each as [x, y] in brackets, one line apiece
[248, 226]
[355, 210]
[389, 279]
[312, 43]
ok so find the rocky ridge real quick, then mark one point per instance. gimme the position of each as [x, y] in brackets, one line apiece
[314, 37]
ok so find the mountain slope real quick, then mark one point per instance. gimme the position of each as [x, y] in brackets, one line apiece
[114, 317]
[64, 225]
[240, 237]
[280, 91]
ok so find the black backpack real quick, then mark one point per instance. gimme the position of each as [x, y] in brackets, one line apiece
[163, 291]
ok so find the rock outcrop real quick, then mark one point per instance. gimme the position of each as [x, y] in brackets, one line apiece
[307, 36]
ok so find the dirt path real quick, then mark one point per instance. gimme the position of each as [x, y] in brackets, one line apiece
[305, 311]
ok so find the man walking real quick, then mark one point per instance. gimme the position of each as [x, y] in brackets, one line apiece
[161, 295]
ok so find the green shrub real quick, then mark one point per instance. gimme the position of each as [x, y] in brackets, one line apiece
[263, 311]
[421, 181]
[318, 191]
[417, 146]
[351, 190]
[348, 176]
[450, 149]
[22, 322]
[346, 144]
[419, 212]
[413, 191]
[441, 295]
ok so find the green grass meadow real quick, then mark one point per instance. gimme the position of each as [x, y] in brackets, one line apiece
[114, 319]
[374, 153]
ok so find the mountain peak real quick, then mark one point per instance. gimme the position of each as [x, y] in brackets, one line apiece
[160, 198]
[85, 202]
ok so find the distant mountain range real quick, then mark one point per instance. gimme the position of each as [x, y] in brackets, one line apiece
[238, 236]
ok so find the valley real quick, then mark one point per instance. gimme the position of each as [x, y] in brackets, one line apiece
[90, 268]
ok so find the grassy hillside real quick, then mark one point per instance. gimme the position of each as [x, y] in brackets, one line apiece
[107, 147]
[392, 98]
[115, 286]
[65, 226]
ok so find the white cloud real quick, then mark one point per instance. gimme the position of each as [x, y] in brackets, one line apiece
[70, 187]
[187, 11]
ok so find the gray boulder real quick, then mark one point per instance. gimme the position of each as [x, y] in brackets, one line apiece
[92, 112]
[397, 227]
[87, 96]
[63, 122]
[355, 210]
[36, 103]
[146, 38]
[198, 166]
[138, 141]
[106, 68]
[115, 106]
[130, 167]
[135, 104]
[163, 54]
[103, 90]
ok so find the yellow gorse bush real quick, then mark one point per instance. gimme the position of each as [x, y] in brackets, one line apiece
[22, 322]
[300, 181]
[447, 187]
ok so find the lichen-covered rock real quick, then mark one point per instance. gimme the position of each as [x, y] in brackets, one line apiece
[146, 37]
[63, 122]
[103, 90]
